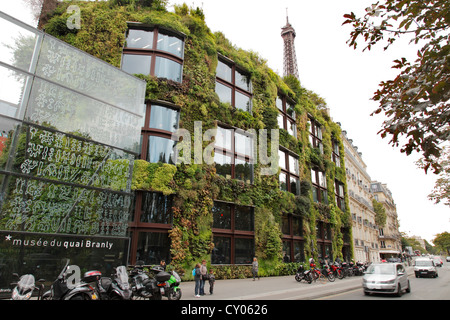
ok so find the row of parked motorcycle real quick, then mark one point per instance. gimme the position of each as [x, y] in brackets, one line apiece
[122, 285]
[330, 271]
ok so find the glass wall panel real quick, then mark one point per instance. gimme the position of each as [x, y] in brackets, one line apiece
[169, 69]
[243, 170]
[222, 250]
[242, 81]
[13, 85]
[18, 45]
[295, 185]
[244, 218]
[243, 144]
[163, 118]
[223, 164]
[156, 208]
[223, 138]
[170, 44]
[153, 247]
[243, 101]
[224, 92]
[140, 39]
[244, 250]
[160, 149]
[69, 111]
[223, 71]
[297, 226]
[283, 181]
[221, 215]
[136, 64]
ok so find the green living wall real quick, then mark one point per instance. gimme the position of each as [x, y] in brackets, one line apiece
[195, 187]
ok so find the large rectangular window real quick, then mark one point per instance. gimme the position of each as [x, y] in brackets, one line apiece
[233, 154]
[233, 234]
[161, 121]
[286, 117]
[289, 178]
[315, 135]
[233, 85]
[153, 51]
[319, 186]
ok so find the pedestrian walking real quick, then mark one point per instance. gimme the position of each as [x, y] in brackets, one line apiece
[197, 279]
[212, 280]
[255, 268]
[204, 276]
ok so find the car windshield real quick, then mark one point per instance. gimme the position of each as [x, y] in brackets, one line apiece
[424, 263]
[381, 269]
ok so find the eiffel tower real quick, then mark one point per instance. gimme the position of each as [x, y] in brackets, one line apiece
[289, 56]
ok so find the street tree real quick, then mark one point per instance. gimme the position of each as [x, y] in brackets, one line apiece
[416, 102]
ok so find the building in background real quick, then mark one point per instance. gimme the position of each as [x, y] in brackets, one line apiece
[389, 237]
[365, 230]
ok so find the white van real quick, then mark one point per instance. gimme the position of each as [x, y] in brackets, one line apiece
[425, 267]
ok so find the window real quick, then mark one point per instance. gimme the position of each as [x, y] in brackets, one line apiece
[233, 234]
[233, 154]
[233, 85]
[156, 208]
[289, 178]
[152, 247]
[293, 245]
[324, 238]
[335, 157]
[286, 116]
[315, 135]
[161, 120]
[153, 51]
[339, 190]
[319, 186]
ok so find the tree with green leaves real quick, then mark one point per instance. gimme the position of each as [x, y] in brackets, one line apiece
[416, 102]
[442, 241]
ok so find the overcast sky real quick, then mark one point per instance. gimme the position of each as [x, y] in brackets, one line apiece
[345, 78]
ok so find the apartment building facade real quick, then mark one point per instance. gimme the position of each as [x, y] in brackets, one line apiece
[364, 228]
[389, 235]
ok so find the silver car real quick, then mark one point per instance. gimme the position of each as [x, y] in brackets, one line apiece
[386, 278]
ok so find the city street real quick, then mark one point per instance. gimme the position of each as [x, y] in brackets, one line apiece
[421, 289]
[286, 288]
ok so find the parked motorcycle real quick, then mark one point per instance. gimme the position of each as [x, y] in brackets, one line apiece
[115, 288]
[326, 271]
[168, 283]
[337, 270]
[80, 290]
[303, 274]
[142, 286]
[24, 288]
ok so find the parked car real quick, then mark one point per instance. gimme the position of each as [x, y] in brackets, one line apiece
[386, 278]
[448, 259]
[425, 267]
[438, 261]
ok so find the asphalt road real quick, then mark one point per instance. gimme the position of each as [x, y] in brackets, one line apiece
[421, 289]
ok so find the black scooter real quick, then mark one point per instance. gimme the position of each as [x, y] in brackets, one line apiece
[115, 288]
[301, 274]
[62, 289]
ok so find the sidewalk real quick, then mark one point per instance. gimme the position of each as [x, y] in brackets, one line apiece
[273, 288]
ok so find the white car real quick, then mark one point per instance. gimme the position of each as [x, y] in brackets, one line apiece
[425, 267]
[386, 278]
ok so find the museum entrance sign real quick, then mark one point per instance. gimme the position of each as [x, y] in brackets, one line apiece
[69, 134]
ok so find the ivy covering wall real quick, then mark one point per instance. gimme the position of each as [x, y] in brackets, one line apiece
[195, 187]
